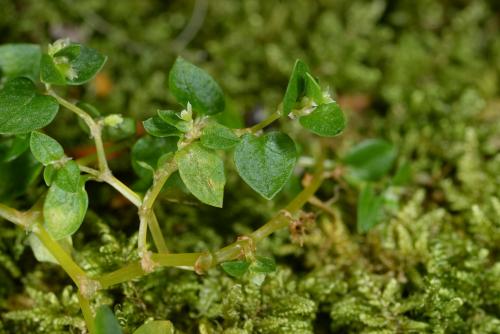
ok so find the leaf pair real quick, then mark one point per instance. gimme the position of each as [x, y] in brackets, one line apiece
[238, 268]
[105, 322]
[66, 201]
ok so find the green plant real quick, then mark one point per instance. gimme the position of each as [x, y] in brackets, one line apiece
[190, 143]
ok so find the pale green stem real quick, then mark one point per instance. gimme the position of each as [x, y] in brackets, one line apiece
[123, 189]
[87, 313]
[12, 215]
[270, 119]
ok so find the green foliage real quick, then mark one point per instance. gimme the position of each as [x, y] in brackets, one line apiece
[266, 162]
[45, 149]
[156, 127]
[146, 152]
[218, 137]
[190, 84]
[296, 86]
[371, 159]
[19, 60]
[106, 322]
[369, 209]
[19, 101]
[236, 268]
[156, 327]
[202, 171]
[326, 120]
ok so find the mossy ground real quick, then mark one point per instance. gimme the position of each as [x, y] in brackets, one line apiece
[424, 75]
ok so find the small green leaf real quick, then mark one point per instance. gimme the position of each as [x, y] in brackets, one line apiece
[45, 149]
[17, 175]
[403, 175]
[202, 171]
[172, 118]
[266, 163]
[105, 321]
[296, 86]
[49, 173]
[313, 89]
[371, 159]
[49, 73]
[156, 327]
[42, 254]
[189, 83]
[326, 120]
[156, 127]
[146, 152]
[235, 268]
[263, 265]
[22, 109]
[68, 177]
[64, 211]
[70, 52]
[18, 145]
[20, 60]
[369, 209]
[218, 137]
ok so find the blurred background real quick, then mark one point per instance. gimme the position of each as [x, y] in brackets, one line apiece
[424, 75]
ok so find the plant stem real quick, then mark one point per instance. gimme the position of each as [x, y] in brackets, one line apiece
[123, 189]
[12, 215]
[95, 131]
[87, 313]
[69, 266]
[271, 118]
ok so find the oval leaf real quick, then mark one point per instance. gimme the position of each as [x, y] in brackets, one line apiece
[68, 177]
[22, 109]
[326, 120]
[369, 209]
[64, 211]
[202, 171]
[86, 65]
[296, 86]
[20, 60]
[218, 137]
[172, 118]
[45, 149]
[155, 126]
[105, 321]
[49, 73]
[263, 265]
[266, 163]
[146, 152]
[189, 83]
[156, 327]
[235, 268]
[371, 159]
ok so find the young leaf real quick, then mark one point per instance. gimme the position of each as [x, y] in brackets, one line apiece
[369, 209]
[235, 268]
[156, 327]
[49, 173]
[172, 118]
[189, 83]
[105, 321]
[68, 177]
[22, 109]
[156, 127]
[265, 163]
[64, 211]
[20, 143]
[88, 63]
[202, 171]
[296, 86]
[45, 149]
[403, 175]
[371, 159]
[42, 254]
[49, 73]
[20, 60]
[263, 265]
[326, 120]
[146, 152]
[313, 89]
[218, 137]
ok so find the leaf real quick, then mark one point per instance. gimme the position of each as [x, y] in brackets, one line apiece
[313, 90]
[155, 126]
[266, 163]
[146, 152]
[88, 63]
[22, 109]
[17, 175]
[20, 60]
[369, 209]
[371, 159]
[172, 118]
[49, 73]
[202, 171]
[189, 83]
[296, 86]
[218, 137]
[42, 254]
[64, 211]
[49, 173]
[124, 130]
[45, 149]
[235, 268]
[105, 321]
[326, 120]
[403, 175]
[156, 327]
[263, 264]
[18, 145]
[68, 177]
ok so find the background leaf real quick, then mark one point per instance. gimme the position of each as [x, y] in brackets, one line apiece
[369, 209]
[17, 175]
[147, 150]
[20, 60]
[326, 120]
[189, 83]
[202, 171]
[22, 109]
[42, 254]
[105, 321]
[371, 159]
[156, 127]
[265, 163]
[17, 146]
[156, 327]
[263, 264]
[235, 268]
